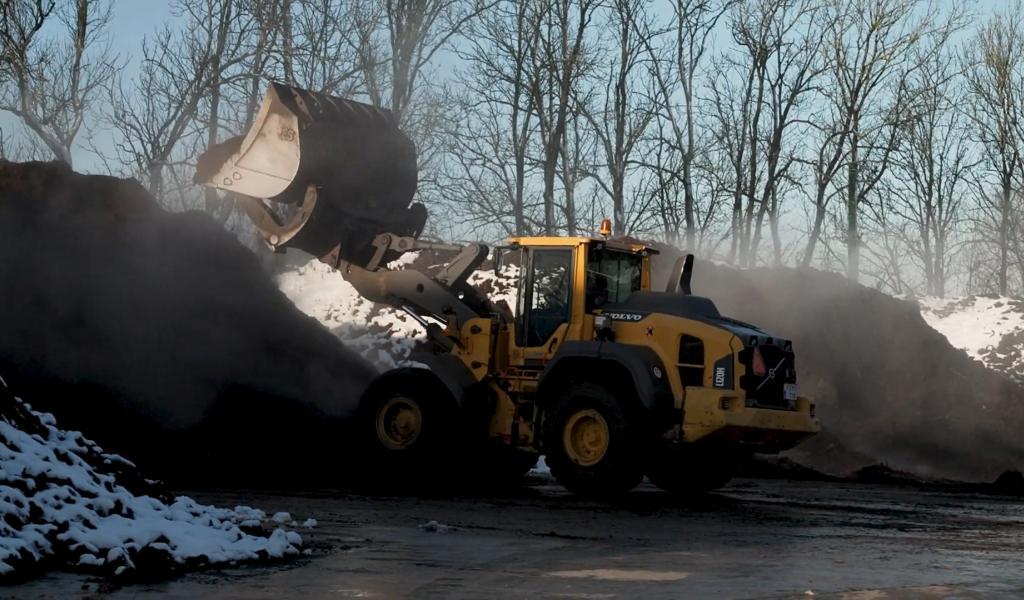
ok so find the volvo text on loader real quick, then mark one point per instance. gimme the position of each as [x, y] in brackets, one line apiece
[606, 378]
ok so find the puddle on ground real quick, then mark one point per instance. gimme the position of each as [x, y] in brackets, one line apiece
[621, 575]
[930, 591]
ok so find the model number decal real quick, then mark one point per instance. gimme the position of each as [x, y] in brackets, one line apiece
[719, 376]
[623, 316]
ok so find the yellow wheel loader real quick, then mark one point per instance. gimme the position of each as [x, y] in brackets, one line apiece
[606, 378]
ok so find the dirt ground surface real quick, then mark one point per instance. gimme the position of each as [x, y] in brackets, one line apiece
[754, 539]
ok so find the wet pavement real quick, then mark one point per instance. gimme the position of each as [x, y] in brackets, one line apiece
[754, 539]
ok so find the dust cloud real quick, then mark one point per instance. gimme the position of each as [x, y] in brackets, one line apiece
[888, 387]
[158, 334]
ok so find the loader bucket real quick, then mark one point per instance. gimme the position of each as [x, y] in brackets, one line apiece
[319, 173]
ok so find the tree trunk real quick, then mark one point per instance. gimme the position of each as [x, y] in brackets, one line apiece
[618, 204]
[819, 221]
[1004, 236]
[570, 208]
[688, 199]
[773, 222]
[550, 159]
[518, 211]
[852, 208]
[288, 50]
[156, 180]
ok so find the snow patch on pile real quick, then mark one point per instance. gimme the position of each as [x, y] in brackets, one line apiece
[383, 335]
[62, 503]
[990, 329]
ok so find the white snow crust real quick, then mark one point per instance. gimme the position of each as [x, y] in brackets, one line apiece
[990, 329]
[61, 502]
[383, 335]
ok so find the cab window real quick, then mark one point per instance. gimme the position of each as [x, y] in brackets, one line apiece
[612, 276]
[548, 295]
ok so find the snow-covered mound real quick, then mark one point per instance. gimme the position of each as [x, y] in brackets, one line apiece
[988, 328]
[65, 503]
[383, 335]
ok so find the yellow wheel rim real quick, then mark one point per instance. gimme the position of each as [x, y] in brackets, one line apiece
[399, 423]
[586, 437]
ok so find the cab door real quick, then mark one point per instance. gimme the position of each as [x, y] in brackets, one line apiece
[546, 303]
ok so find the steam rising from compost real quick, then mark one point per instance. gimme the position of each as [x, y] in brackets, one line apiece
[888, 387]
[158, 333]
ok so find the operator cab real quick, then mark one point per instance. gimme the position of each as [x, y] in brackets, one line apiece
[613, 275]
[555, 269]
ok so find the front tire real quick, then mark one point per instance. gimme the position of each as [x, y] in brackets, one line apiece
[407, 429]
[593, 443]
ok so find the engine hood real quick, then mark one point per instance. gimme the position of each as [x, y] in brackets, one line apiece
[698, 308]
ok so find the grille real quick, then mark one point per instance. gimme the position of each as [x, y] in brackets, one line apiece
[769, 391]
[691, 361]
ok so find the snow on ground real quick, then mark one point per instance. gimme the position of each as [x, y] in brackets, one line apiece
[383, 335]
[541, 468]
[988, 328]
[64, 503]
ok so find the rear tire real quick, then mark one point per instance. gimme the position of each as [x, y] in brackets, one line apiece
[407, 429]
[686, 472]
[593, 442]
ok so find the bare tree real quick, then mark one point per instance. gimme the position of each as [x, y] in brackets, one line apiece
[52, 81]
[314, 44]
[180, 70]
[756, 96]
[575, 165]
[794, 44]
[258, 65]
[558, 61]
[675, 67]
[490, 154]
[931, 167]
[995, 79]
[625, 105]
[870, 43]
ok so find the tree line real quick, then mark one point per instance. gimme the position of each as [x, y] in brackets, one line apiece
[878, 138]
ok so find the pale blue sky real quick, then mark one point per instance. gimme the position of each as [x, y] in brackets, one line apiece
[134, 19]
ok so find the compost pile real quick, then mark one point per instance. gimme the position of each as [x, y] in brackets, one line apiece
[159, 334]
[68, 504]
[889, 388]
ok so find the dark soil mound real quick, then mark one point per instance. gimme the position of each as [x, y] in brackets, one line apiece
[883, 473]
[158, 334]
[889, 388]
[1009, 482]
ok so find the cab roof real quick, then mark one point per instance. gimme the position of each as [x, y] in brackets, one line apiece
[617, 244]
